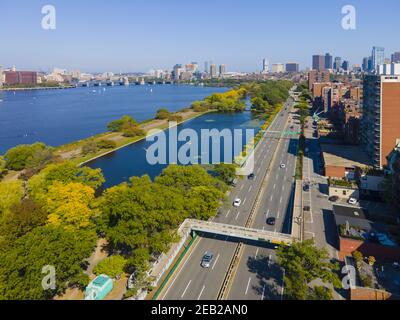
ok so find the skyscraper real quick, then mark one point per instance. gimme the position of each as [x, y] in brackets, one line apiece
[206, 67]
[396, 57]
[1, 76]
[265, 68]
[337, 64]
[380, 130]
[345, 65]
[318, 62]
[213, 70]
[328, 61]
[222, 69]
[378, 57]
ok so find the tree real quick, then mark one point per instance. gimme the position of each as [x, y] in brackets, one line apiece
[112, 266]
[138, 261]
[225, 172]
[106, 144]
[28, 156]
[358, 256]
[10, 195]
[21, 267]
[371, 261]
[132, 131]
[321, 293]
[65, 172]
[119, 125]
[162, 114]
[303, 263]
[69, 205]
[22, 218]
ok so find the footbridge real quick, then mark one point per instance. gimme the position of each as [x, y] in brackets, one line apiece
[238, 232]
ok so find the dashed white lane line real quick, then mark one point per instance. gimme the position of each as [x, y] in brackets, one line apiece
[269, 259]
[227, 214]
[247, 289]
[280, 201]
[255, 257]
[198, 298]
[244, 202]
[216, 261]
[274, 186]
[237, 216]
[251, 188]
[241, 188]
[272, 198]
[279, 213]
[187, 287]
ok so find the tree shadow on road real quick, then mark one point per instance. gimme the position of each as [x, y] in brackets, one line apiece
[269, 276]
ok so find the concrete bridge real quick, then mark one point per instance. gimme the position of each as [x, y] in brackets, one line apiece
[238, 232]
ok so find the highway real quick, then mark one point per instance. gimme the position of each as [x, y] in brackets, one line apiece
[192, 282]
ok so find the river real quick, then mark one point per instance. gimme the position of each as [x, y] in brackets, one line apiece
[57, 117]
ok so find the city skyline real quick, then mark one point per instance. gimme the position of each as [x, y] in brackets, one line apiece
[94, 39]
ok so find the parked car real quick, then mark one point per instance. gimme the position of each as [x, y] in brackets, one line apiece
[271, 221]
[207, 259]
[307, 208]
[306, 188]
[334, 198]
[237, 202]
[283, 166]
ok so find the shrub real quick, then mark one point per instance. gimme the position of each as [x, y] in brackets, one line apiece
[89, 147]
[112, 266]
[163, 114]
[106, 144]
[28, 156]
[134, 131]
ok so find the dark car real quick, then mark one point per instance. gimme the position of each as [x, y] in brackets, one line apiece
[306, 188]
[251, 176]
[334, 198]
[271, 221]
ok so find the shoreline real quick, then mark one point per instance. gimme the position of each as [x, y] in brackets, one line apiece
[37, 88]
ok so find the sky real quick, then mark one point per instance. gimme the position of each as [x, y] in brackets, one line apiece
[139, 35]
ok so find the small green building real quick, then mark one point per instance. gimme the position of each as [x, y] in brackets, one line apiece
[99, 288]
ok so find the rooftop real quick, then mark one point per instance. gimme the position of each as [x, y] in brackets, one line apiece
[354, 216]
[345, 156]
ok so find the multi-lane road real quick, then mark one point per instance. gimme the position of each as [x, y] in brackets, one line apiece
[256, 267]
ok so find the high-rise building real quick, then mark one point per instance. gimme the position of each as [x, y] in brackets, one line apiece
[265, 67]
[378, 57]
[206, 67]
[396, 57]
[177, 71]
[389, 69]
[317, 77]
[380, 130]
[367, 64]
[337, 65]
[222, 69]
[213, 70]
[346, 65]
[318, 62]
[292, 67]
[328, 61]
[278, 68]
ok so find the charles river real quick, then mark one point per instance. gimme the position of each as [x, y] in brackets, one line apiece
[57, 117]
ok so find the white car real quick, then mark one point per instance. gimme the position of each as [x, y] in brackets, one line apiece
[237, 203]
[353, 201]
[283, 166]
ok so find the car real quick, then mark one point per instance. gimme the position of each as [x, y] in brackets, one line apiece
[307, 208]
[237, 202]
[251, 176]
[271, 221]
[334, 198]
[283, 166]
[234, 183]
[207, 260]
[352, 201]
[306, 188]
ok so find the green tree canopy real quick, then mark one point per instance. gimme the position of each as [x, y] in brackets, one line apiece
[303, 262]
[112, 266]
[28, 156]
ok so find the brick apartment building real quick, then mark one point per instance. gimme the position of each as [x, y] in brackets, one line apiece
[20, 77]
[380, 126]
[315, 76]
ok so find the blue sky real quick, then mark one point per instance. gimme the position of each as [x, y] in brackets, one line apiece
[138, 35]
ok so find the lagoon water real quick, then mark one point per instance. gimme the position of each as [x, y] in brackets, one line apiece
[57, 117]
[132, 160]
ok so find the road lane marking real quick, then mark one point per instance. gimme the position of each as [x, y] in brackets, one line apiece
[187, 287]
[279, 213]
[198, 298]
[244, 202]
[280, 201]
[272, 198]
[251, 188]
[269, 259]
[215, 263]
[255, 257]
[274, 186]
[247, 289]
[237, 216]
[229, 211]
